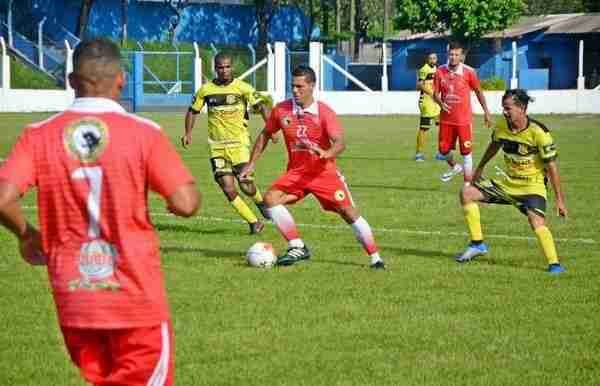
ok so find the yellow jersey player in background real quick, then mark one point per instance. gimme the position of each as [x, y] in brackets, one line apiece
[530, 159]
[227, 100]
[430, 110]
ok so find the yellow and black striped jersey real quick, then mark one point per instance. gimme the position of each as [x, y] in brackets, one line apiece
[227, 111]
[525, 155]
[427, 105]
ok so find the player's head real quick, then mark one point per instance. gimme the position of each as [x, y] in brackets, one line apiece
[432, 58]
[303, 84]
[455, 53]
[514, 104]
[223, 67]
[97, 69]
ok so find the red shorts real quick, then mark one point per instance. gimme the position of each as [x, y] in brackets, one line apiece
[448, 135]
[123, 357]
[328, 187]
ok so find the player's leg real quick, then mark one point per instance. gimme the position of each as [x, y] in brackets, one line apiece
[90, 352]
[363, 233]
[276, 201]
[424, 125]
[447, 141]
[543, 234]
[142, 356]
[470, 195]
[223, 173]
[239, 158]
[465, 140]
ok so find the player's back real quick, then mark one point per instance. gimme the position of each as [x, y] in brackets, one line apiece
[93, 168]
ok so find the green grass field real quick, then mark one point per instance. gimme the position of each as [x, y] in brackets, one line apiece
[500, 320]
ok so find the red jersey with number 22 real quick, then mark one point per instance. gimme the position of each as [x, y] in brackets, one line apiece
[455, 89]
[301, 127]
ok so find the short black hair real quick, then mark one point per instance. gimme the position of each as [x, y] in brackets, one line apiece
[223, 56]
[99, 56]
[455, 45]
[305, 71]
[519, 96]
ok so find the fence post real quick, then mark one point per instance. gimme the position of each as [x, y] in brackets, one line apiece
[514, 82]
[270, 70]
[41, 43]
[197, 68]
[315, 60]
[68, 65]
[138, 80]
[384, 77]
[581, 78]
[280, 71]
[5, 67]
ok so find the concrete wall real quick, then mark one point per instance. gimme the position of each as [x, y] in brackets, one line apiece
[351, 103]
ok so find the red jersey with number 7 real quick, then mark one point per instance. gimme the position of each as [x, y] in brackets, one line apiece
[455, 88]
[93, 165]
[303, 128]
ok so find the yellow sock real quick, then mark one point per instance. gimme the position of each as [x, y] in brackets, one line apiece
[243, 210]
[547, 243]
[473, 222]
[420, 140]
[257, 198]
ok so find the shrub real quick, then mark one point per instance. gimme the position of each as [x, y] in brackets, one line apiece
[493, 84]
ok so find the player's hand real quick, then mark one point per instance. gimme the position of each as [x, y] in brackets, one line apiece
[445, 106]
[30, 247]
[561, 209]
[247, 170]
[487, 119]
[186, 140]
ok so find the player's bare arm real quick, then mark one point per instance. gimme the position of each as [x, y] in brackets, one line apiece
[190, 121]
[487, 117]
[437, 97]
[11, 216]
[554, 177]
[185, 201]
[338, 145]
[490, 153]
[260, 144]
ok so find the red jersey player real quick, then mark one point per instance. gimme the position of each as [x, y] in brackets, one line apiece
[313, 137]
[92, 166]
[452, 85]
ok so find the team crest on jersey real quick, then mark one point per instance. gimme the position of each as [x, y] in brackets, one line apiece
[523, 149]
[97, 260]
[339, 195]
[286, 121]
[231, 99]
[86, 139]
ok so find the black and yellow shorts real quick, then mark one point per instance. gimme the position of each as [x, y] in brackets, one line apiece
[229, 161]
[426, 123]
[494, 194]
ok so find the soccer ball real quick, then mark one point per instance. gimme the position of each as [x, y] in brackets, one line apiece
[261, 255]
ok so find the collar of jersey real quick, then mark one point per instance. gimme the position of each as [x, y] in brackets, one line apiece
[459, 69]
[313, 108]
[96, 105]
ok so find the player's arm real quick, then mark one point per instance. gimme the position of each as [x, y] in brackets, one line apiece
[190, 117]
[487, 117]
[338, 145]
[185, 200]
[437, 94]
[260, 144]
[554, 177]
[490, 153]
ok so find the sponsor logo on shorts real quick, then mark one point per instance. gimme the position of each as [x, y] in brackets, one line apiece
[339, 195]
[219, 163]
[467, 144]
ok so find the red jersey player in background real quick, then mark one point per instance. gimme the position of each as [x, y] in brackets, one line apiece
[92, 166]
[314, 138]
[452, 85]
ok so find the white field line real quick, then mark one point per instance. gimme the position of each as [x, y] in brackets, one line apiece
[376, 229]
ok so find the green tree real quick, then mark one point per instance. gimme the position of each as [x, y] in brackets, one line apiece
[465, 20]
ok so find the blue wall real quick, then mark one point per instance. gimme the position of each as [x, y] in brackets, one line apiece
[542, 61]
[203, 23]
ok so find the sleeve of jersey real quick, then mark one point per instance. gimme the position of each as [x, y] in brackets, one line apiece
[436, 81]
[272, 125]
[166, 170]
[19, 168]
[421, 75]
[332, 124]
[474, 80]
[546, 147]
[197, 101]
[252, 96]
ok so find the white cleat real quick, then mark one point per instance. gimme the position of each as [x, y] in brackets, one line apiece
[456, 170]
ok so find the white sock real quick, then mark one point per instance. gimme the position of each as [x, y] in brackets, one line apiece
[468, 164]
[375, 258]
[364, 235]
[296, 243]
[283, 220]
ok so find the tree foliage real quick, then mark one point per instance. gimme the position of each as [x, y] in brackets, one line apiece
[465, 20]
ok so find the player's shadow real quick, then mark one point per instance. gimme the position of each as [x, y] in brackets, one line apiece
[371, 158]
[394, 187]
[196, 228]
[202, 252]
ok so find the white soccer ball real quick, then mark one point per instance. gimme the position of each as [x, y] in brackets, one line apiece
[261, 255]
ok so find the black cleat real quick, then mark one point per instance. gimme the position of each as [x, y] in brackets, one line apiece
[294, 255]
[256, 227]
[378, 265]
[264, 210]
